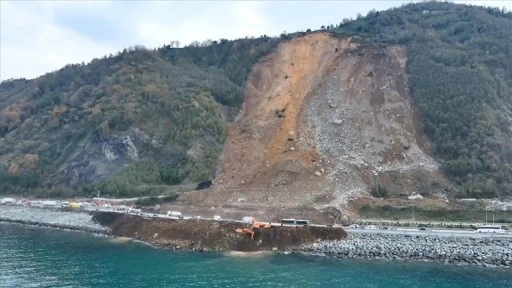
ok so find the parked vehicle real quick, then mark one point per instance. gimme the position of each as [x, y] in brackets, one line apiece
[490, 229]
[248, 219]
[50, 203]
[134, 211]
[174, 215]
[302, 222]
[7, 201]
[288, 222]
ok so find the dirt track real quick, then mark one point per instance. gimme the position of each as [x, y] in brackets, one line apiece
[211, 235]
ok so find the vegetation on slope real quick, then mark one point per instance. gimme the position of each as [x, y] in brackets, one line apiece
[178, 98]
[460, 77]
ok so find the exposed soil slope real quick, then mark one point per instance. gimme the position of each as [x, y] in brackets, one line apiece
[212, 235]
[324, 121]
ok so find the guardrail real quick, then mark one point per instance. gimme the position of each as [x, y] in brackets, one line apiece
[429, 232]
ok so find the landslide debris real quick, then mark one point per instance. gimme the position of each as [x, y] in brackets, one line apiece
[325, 120]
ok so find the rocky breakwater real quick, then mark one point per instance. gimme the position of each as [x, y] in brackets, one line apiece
[51, 219]
[484, 251]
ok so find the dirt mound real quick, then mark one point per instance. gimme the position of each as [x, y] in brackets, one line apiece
[324, 121]
[212, 235]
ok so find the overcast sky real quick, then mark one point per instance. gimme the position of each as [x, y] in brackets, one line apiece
[42, 36]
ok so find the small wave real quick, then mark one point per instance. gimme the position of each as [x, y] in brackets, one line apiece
[120, 239]
[247, 254]
[144, 243]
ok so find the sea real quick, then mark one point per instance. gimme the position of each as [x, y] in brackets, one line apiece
[38, 257]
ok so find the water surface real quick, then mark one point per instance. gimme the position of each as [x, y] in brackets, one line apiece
[38, 257]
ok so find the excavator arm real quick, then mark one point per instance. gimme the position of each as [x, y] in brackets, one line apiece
[242, 231]
[255, 225]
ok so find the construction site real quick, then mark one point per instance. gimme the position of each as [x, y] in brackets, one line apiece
[217, 235]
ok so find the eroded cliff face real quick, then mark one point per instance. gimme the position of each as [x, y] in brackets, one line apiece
[325, 120]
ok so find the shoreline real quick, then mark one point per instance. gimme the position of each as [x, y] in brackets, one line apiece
[56, 226]
[454, 250]
[487, 252]
[72, 221]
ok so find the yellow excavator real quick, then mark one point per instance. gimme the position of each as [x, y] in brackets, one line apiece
[255, 225]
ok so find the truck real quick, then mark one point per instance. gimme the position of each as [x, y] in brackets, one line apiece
[8, 201]
[174, 215]
[50, 203]
[134, 211]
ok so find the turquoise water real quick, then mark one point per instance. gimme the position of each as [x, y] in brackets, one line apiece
[37, 257]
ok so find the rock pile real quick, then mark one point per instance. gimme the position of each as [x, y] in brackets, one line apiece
[49, 218]
[457, 250]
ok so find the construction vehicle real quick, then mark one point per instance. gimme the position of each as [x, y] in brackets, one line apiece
[257, 225]
[254, 225]
[241, 231]
[294, 223]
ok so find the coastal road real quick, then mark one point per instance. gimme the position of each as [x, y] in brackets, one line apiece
[433, 232]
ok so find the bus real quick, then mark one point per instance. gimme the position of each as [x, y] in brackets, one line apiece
[294, 223]
[302, 222]
[490, 229]
[288, 222]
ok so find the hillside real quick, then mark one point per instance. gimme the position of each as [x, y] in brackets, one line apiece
[460, 76]
[129, 124]
[413, 99]
[325, 121]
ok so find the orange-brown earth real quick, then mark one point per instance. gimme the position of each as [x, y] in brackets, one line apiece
[325, 120]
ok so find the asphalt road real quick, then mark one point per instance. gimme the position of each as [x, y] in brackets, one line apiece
[433, 232]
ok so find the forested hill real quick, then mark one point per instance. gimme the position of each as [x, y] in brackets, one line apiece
[146, 118]
[137, 119]
[460, 77]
